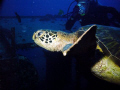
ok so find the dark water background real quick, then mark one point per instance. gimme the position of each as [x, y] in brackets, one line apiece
[43, 7]
[41, 69]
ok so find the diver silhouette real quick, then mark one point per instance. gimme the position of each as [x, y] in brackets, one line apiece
[91, 12]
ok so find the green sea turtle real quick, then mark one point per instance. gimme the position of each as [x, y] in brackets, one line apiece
[95, 43]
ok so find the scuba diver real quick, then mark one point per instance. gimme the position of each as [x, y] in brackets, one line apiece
[90, 12]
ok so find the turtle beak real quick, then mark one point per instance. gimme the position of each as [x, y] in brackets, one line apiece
[34, 36]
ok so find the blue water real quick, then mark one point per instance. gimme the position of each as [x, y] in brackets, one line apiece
[39, 69]
[43, 7]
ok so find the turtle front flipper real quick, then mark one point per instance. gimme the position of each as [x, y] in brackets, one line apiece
[67, 47]
[108, 66]
[85, 44]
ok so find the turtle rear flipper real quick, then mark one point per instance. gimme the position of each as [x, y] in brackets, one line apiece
[85, 44]
[108, 66]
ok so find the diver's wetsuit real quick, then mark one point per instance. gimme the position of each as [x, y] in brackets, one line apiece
[96, 14]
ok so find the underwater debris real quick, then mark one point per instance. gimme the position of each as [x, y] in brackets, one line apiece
[18, 17]
[61, 12]
[23, 40]
[18, 74]
[47, 17]
[7, 43]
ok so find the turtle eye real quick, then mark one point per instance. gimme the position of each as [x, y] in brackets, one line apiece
[39, 34]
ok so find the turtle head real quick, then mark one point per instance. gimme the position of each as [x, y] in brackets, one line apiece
[38, 34]
[45, 39]
[38, 37]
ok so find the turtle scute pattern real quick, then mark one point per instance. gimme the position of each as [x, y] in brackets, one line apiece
[110, 38]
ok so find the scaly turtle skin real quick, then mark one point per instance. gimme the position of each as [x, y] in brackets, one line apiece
[100, 45]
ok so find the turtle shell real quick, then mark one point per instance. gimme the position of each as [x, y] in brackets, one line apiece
[106, 61]
[107, 66]
[110, 37]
